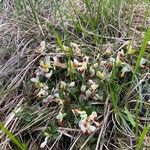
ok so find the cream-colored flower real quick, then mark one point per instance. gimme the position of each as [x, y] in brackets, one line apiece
[100, 75]
[109, 51]
[42, 93]
[124, 70]
[91, 82]
[72, 84]
[92, 72]
[49, 74]
[86, 123]
[77, 63]
[94, 87]
[143, 62]
[84, 64]
[35, 80]
[43, 144]
[83, 88]
[60, 116]
[88, 93]
[63, 85]
[118, 58]
[83, 125]
[96, 97]
[45, 64]
[95, 65]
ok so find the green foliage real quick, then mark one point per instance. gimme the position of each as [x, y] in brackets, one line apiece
[16, 141]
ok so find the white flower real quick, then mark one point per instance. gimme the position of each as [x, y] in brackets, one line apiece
[42, 93]
[86, 126]
[63, 85]
[95, 65]
[96, 97]
[92, 72]
[119, 55]
[83, 125]
[77, 63]
[93, 115]
[88, 93]
[35, 80]
[72, 84]
[45, 64]
[86, 122]
[60, 117]
[94, 87]
[56, 95]
[91, 128]
[93, 118]
[124, 70]
[49, 74]
[143, 62]
[84, 64]
[83, 88]
[91, 82]
[44, 143]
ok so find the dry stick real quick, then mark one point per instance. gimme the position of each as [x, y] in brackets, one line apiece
[106, 112]
[75, 142]
[86, 141]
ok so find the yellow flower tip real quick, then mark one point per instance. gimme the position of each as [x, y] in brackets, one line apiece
[108, 51]
[100, 75]
[132, 52]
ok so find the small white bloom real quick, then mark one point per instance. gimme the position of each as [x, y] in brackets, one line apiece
[94, 87]
[88, 93]
[112, 60]
[95, 65]
[49, 74]
[72, 84]
[77, 63]
[56, 95]
[83, 88]
[84, 64]
[92, 72]
[60, 116]
[124, 70]
[35, 80]
[148, 42]
[91, 82]
[42, 93]
[91, 128]
[93, 115]
[45, 64]
[143, 62]
[44, 143]
[83, 125]
[96, 97]
[83, 114]
[63, 85]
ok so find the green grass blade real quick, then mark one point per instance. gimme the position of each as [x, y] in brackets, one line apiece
[142, 136]
[12, 137]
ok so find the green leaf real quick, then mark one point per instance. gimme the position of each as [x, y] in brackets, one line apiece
[130, 117]
[142, 136]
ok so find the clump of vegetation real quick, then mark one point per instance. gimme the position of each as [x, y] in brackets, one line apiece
[75, 75]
